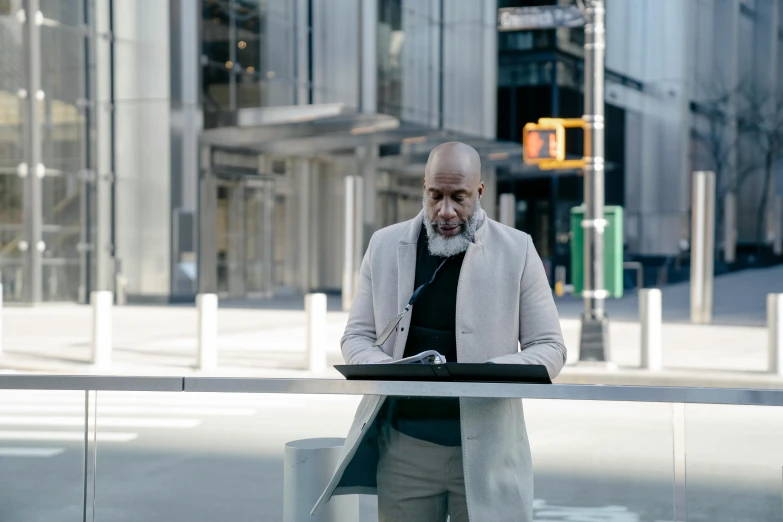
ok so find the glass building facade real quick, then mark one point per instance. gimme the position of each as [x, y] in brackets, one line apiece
[159, 148]
[46, 150]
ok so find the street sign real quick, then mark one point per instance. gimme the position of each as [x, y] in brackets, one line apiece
[544, 17]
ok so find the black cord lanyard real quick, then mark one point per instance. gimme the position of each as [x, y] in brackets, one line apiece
[416, 293]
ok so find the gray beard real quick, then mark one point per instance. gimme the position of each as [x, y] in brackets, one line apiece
[442, 246]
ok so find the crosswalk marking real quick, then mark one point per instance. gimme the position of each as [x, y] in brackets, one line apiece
[30, 452]
[106, 422]
[66, 436]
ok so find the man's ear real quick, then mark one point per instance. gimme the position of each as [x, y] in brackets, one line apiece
[481, 189]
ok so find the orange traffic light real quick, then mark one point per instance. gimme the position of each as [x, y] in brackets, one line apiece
[543, 143]
[552, 145]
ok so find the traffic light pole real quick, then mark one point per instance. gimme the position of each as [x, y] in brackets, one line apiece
[594, 339]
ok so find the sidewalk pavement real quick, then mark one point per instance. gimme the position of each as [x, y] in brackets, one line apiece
[264, 342]
[739, 299]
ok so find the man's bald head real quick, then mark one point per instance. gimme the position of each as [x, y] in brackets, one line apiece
[454, 157]
[452, 189]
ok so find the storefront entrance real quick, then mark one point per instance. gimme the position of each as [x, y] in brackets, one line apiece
[244, 224]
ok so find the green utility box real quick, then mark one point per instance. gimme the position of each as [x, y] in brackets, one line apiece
[613, 250]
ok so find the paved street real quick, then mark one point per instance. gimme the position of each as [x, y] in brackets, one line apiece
[205, 457]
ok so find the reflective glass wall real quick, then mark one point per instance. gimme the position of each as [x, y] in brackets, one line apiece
[389, 50]
[247, 55]
[45, 185]
[11, 152]
[65, 113]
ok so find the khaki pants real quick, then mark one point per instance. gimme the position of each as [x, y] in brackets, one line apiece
[419, 481]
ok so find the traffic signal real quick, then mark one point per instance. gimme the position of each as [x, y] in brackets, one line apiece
[543, 143]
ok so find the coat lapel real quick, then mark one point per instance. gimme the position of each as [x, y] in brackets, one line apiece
[406, 276]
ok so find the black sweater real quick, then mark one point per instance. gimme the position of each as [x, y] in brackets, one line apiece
[432, 327]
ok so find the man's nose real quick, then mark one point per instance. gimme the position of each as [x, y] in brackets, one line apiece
[447, 211]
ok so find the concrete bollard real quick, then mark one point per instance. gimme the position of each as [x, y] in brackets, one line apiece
[207, 305]
[775, 332]
[308, 466]
[315, 312]
[650, 319]
[101, 342]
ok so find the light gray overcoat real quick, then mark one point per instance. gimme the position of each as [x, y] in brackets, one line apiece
[503, 303]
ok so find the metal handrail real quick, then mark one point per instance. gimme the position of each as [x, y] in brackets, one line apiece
[586, 392]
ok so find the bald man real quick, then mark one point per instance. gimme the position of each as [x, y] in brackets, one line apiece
[474, 290]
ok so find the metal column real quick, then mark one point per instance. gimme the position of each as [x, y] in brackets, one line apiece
[368, 159]
[303, 174]
[702, 243]
[207, 233]
[33, 169]
[594, 340]
[235, 256]
[730, 228]
[269, 239]
[353, 238]
[775, 333]
[101, 50]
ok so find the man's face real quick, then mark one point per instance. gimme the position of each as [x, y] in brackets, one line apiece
[449, 197]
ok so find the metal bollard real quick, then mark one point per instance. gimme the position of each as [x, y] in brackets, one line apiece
[315, 312]
[100, 354]
[308, 467]
[650, 319]
[775, 332]
[560, 277]
[702, 241]
[508, 204]
[207, 305]
[777, 227]
[1, 318]
[120, 283]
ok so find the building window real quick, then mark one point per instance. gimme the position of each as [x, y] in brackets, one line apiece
[525, 74]
[233, 72]
[390, 42]
[576, 36]
[516, 41]
[526, 40]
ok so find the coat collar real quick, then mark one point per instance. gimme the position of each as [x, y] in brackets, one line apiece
[411, 234]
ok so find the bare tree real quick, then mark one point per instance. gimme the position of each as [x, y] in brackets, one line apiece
[723, 124]
[764, 111]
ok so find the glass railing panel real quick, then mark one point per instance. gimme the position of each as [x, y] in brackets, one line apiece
[209, 456]
[601, 461]
[42, 449]
[204, 456]
[734, 463]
